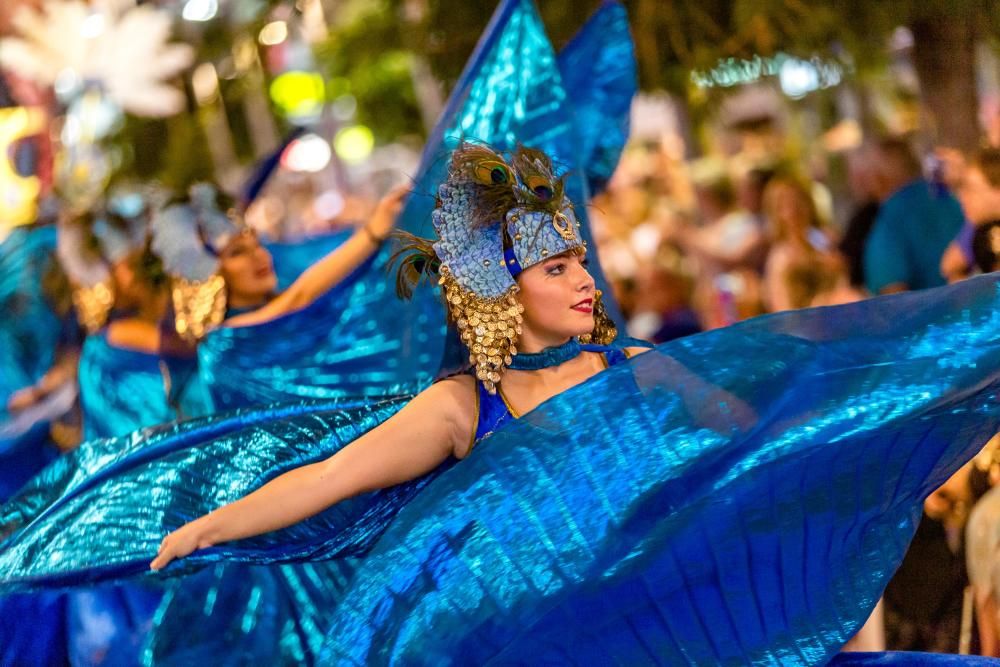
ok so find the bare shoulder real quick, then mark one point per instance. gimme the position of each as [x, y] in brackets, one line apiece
[459, 393]
[459, 387]
[635, 351]
[453, 398]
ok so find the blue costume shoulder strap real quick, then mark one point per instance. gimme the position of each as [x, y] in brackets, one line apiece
[493, 412]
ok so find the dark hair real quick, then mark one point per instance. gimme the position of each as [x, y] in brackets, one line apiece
[988, 161]
[986, 246]
[901, 156]
[721, 190]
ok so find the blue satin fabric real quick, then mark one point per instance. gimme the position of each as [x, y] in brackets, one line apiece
[601, 77]
[737, 496]
[910, 659]
[329, 348]
[120, 390]
[741, 495]
[292, 257]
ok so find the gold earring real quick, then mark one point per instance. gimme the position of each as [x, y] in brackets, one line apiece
[199, 306]
[605, 330]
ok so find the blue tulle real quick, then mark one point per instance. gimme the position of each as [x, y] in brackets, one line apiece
[740, 495]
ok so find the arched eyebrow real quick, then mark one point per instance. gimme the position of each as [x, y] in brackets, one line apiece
[572, 252]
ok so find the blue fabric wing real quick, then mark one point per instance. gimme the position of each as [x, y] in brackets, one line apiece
[29, 335]
[737, 496]
[292, 257]
[600, 75]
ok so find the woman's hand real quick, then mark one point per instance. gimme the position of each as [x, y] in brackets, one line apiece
[188, 538]
[387, 211]
[23, 399]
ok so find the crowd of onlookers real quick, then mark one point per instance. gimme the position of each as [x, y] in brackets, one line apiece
[694, 246]
[704, 245]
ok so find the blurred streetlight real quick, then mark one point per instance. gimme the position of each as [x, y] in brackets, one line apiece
[200, 10]
[273, 33]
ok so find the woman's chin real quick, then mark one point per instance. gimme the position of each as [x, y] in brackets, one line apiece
[586, 326]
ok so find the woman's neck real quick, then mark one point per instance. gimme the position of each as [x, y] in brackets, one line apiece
[246, 303]
[152, 308]
[529, 343]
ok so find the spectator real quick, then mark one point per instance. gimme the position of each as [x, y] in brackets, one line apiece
[725, 248]
[802, 265]
[979, 194]
[860, 176]
[916, 222]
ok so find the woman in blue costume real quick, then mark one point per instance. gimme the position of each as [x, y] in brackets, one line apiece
[121, 297]
[669, 509]
[277, 615]
[106, 256]
[256, 345]
[37, 385]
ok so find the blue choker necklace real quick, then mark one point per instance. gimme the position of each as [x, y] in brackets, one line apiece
[547, 358]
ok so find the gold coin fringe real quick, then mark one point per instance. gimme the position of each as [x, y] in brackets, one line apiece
[605, 331]
[93, 305]
[199, 306]
[488, 327]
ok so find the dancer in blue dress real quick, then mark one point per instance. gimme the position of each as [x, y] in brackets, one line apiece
[276, 615]
[736, 496]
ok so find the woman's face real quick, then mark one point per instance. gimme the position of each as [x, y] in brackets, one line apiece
[247, 268]
[558, 298]
[128, 287]
[980, 200]
[789, 211]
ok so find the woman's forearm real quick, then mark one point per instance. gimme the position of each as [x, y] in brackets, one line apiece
[319, 278]
[332, 269]
[287, 499]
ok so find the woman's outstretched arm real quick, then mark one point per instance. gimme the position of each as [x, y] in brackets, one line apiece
[334, 267]
[434, 425]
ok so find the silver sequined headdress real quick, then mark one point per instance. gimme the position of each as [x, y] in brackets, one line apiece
[188, 236]
[494, 218]
[90, 241]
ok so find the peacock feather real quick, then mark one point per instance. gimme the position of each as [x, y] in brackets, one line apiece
[491, 179]
[417, 261]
